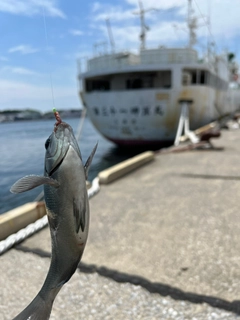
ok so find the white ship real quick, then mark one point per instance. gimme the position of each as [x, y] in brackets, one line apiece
[133, 99]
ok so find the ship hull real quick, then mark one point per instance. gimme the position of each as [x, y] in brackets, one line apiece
[143, 118]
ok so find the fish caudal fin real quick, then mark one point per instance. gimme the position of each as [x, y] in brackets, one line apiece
[38, 309]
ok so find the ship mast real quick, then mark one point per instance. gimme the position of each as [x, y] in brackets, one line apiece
[144, 27]
[110, 35]
[192, 26]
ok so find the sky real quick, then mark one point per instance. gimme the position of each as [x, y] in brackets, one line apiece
[42, 40]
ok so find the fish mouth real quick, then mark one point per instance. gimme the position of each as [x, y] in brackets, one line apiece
[68, 134]
[62, 138]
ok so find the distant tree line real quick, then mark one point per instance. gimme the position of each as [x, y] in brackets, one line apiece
[31, 114]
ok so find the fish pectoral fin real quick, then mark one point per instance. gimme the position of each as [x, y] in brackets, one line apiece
[79, 215]
[30, 182]
[89, 160]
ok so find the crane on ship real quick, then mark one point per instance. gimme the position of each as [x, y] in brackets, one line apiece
[144, 27]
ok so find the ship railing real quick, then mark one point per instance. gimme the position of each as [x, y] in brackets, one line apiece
[107, 62]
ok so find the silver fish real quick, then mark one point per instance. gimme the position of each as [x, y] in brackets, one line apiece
[68, 214]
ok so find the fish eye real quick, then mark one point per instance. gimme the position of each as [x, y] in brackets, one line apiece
[47, 143]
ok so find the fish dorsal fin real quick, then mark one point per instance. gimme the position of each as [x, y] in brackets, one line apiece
[89, 161]
[30, 182]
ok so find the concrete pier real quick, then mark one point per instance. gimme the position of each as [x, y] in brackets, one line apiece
[164, 243]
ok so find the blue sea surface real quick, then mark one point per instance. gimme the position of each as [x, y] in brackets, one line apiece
[22, 153]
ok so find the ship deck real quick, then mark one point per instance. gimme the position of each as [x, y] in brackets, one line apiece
[164, 243]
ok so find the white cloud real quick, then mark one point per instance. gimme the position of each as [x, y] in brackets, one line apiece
[76, 32]
[18, 70]
[22, 71]
[224, 20]
[23, 49]
[31, 7]
[25, 90]
[167, 33]
[96, 6]
[158, 4]
[117, 13]
[126, 36]
[40, 97]
[114, 14]
[159, 34]
[125, 23]
[126, 26]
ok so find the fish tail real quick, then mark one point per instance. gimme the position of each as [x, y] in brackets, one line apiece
[38, 309]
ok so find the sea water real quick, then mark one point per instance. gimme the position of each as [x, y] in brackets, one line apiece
[22, 153]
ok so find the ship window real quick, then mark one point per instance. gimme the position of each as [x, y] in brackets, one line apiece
[192, 77]
[186, 78]
[140, 80]
[97, 85]
[163, 79]
[137, 84]
[134, 83]
[202, 77]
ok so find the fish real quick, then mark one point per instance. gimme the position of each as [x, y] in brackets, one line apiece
[67, 207]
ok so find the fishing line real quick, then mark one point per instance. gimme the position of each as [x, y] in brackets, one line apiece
[46, 39]
[79, 129]
[41, 195]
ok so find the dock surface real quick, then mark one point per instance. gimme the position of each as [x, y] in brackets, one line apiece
[164, 243]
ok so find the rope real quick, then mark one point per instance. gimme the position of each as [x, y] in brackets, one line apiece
[22, 234]
[32, 228]
[94, 188]
[80, 126]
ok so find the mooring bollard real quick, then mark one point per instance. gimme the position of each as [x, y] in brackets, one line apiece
[184, 123]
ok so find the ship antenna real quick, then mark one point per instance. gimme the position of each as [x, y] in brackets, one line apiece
[110, 35]
[144, 27]
[207, 23]
[192, 25]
